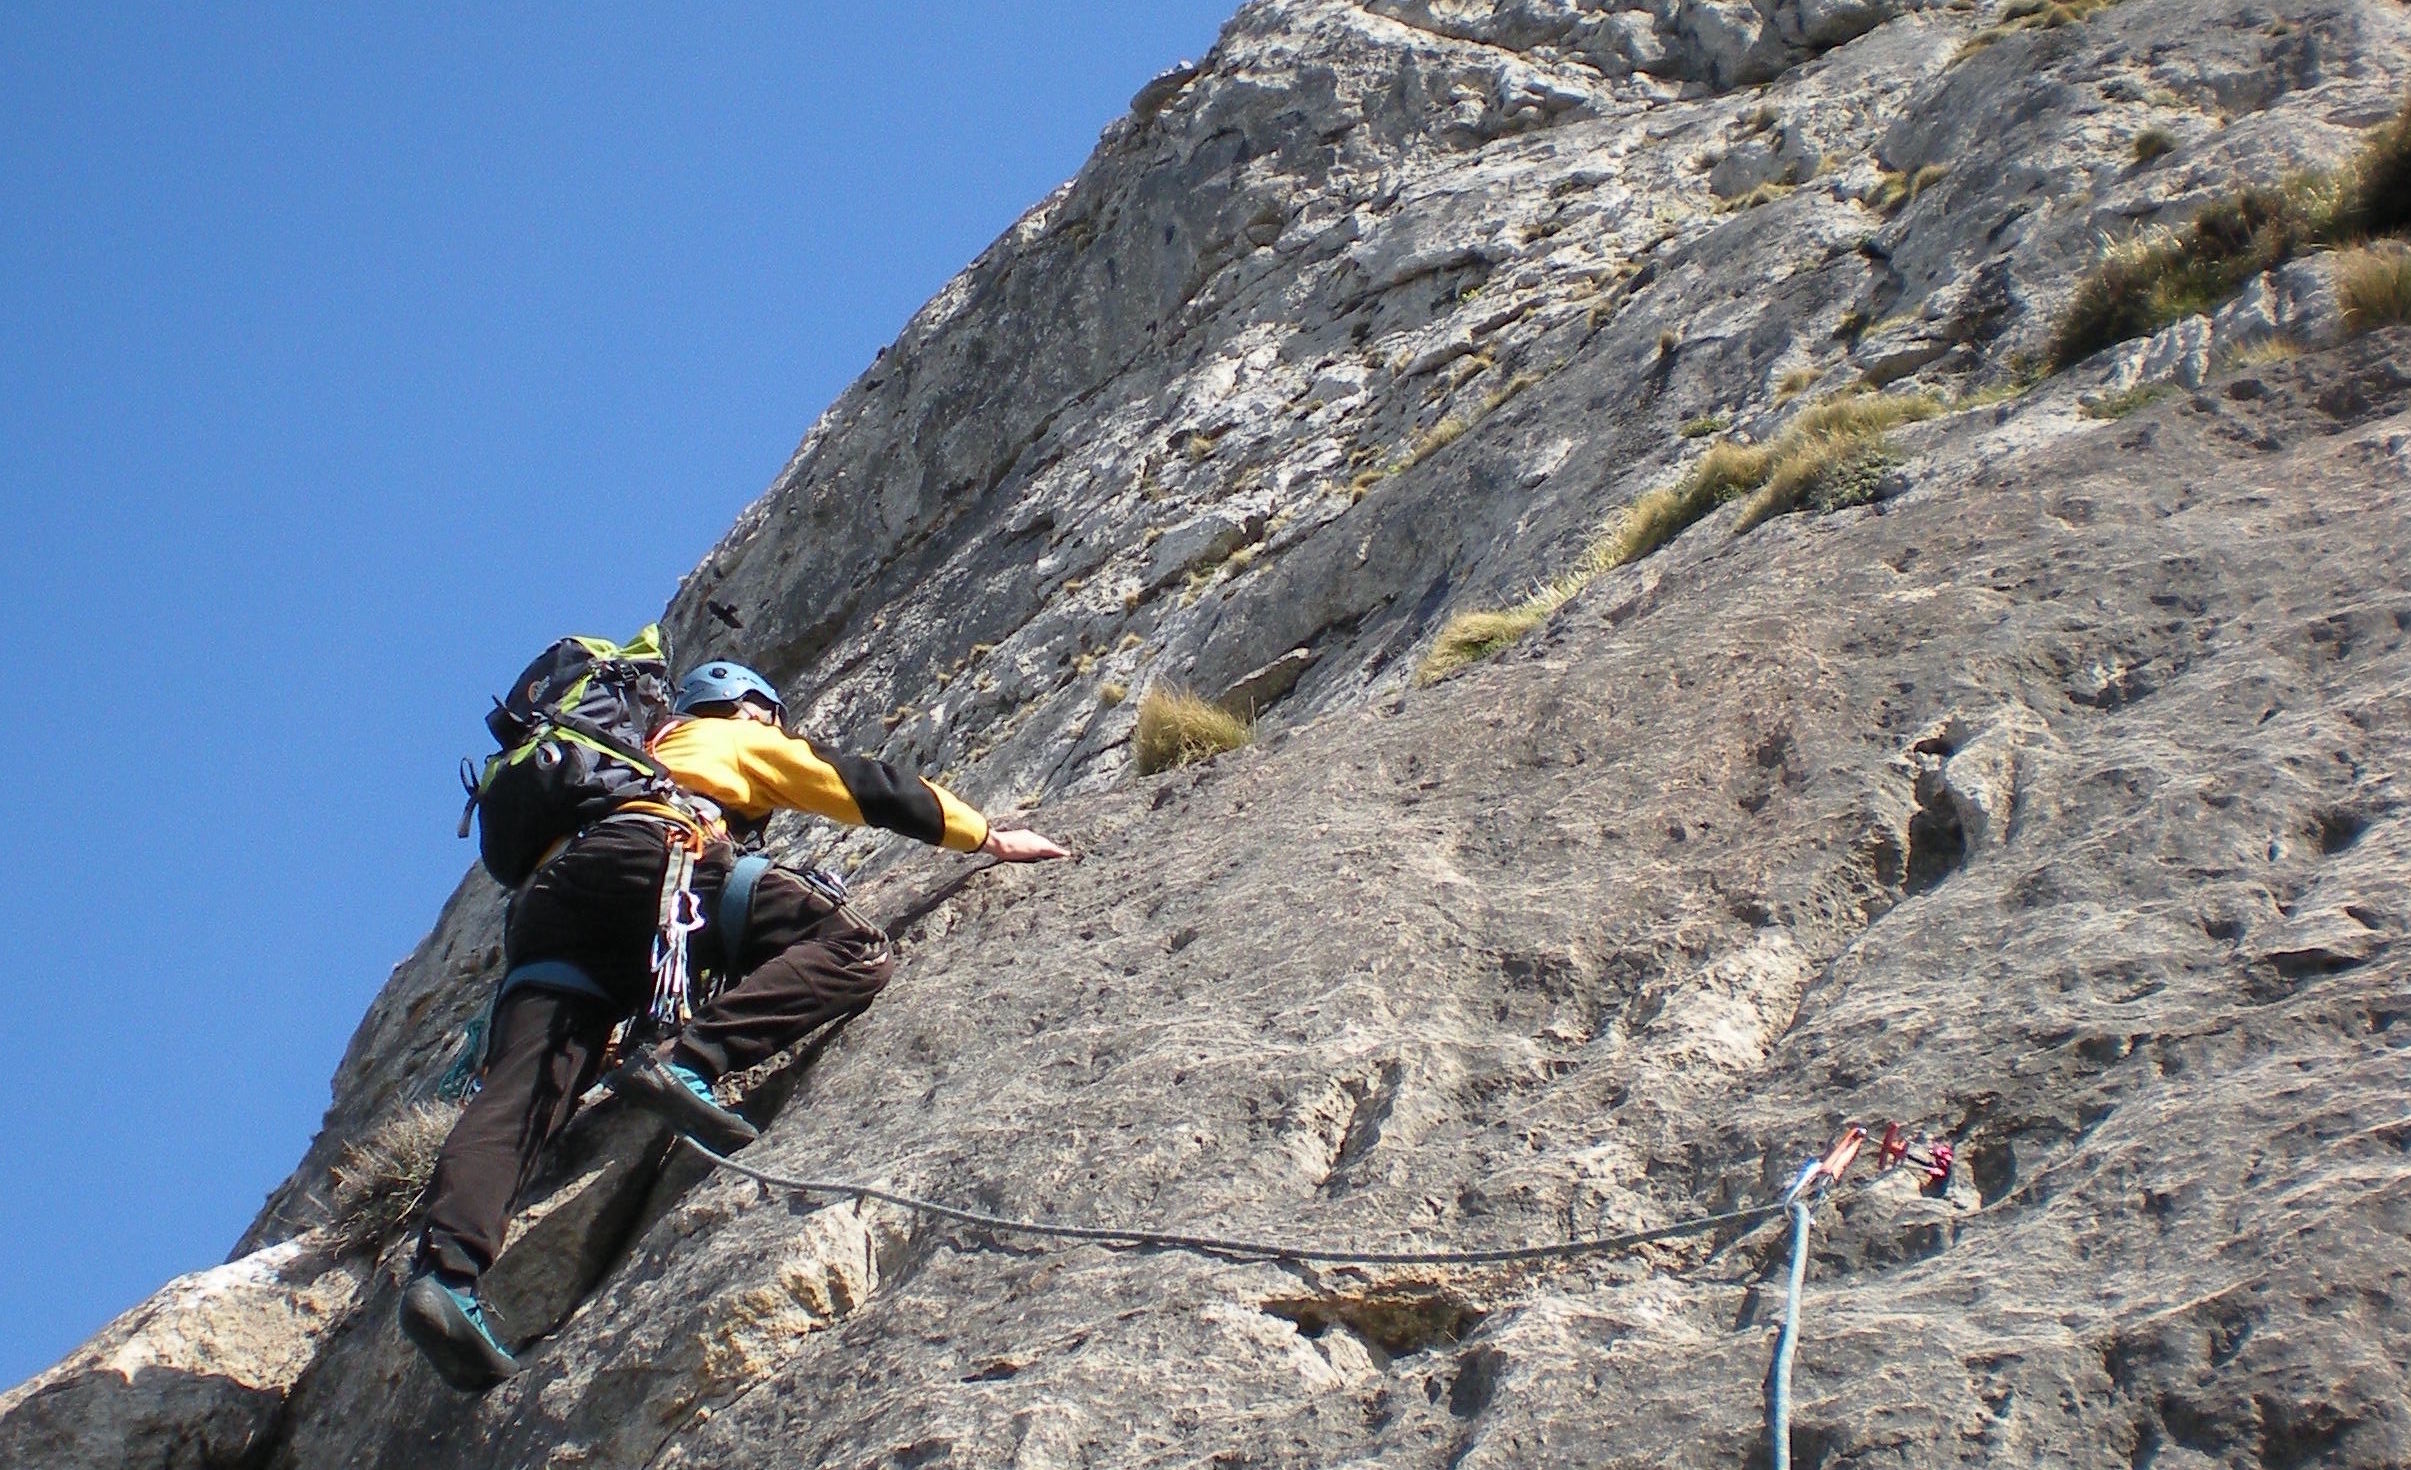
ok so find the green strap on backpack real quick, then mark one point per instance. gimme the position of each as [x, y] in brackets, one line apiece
[572, 733]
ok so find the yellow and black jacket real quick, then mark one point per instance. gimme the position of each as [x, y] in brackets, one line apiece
[752, 770]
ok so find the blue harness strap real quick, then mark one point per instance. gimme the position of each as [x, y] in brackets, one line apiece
[736, 909]
[559, 976]
[555, 975]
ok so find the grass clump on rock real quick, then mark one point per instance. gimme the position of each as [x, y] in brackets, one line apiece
[2163, 276]
[2115, 406]
[1473, 636]
[378, 1180]
[1828, 457]
[2379, 201]
[1895, 191]
[2032, 15]
[1176, 727]
[2373, 286]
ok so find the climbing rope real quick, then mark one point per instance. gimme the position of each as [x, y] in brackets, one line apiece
[1219, 1245]
[1779, 1392]
[1808, 1189]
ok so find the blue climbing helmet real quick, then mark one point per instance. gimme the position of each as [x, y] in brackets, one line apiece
[723, 682]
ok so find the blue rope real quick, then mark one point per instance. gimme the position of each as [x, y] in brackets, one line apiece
[1779, 1396]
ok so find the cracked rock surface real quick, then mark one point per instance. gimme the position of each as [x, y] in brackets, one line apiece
[2048, 805]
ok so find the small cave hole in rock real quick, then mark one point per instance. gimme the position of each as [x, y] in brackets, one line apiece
[1476, 1381]
[1937, 843]
[1994, 1167]
[1398, 1320]
[2340, 829]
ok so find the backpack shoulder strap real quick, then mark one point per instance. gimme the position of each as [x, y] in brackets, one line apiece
[588, 730]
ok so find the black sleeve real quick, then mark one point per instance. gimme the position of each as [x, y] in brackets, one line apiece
[888, 797]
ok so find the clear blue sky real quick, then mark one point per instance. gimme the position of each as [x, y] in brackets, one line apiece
[347, 355]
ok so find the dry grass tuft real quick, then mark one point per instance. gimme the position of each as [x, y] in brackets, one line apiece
[2119, 405]
[1651, 521]
[2025, 15]
[1727, 470]
[1766, 193]
[2154, 143]
[2266, 352]
[1830, 455]
[1505, 391]
[1176, 727]
[1795, 383]
[2373, 285]
[1439, 436]
[1894, 191]
[2162, 276]
[378, 1180]
[2378, 199]
[1471, 636]
[1110, 695]
[1431, 441]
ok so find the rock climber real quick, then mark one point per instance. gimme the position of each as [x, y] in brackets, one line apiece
[579, 939]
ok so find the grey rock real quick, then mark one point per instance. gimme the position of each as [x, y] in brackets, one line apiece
[1209, 539]
[2045, 804]
[2178, 354]
[1161, 89]
[194, 1378]
[1259, 689]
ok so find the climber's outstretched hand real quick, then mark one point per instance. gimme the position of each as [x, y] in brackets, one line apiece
[1020, 846]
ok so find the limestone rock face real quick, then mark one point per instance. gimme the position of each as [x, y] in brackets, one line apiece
[194, 1378]
[2045, 803]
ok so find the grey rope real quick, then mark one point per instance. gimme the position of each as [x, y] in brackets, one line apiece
[1252, 1249]
[1801, 1201]
[1779, 1395]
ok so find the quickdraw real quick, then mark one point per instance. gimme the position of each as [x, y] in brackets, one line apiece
[681, 916]
[1894, 1151]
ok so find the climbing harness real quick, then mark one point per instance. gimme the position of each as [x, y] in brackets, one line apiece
[467, 1073]
[736, 908]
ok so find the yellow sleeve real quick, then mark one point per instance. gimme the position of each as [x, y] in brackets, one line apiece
[754, 769]
[966, 828]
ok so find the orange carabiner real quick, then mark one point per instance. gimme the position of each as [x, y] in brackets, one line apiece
[1838, 1159]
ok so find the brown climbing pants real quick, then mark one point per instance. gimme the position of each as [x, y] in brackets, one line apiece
[805, 964]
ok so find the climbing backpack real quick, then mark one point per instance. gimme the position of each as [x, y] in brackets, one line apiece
[573, 734]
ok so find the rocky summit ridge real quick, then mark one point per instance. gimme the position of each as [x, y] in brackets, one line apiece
[2025, 768]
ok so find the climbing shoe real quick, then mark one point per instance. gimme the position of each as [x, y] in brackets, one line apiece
[681, 1097]
[448, 1325]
